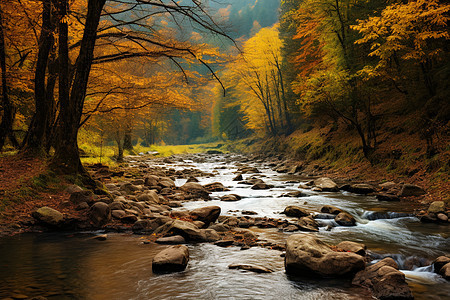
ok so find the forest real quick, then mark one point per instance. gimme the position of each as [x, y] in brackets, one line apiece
[117, 115]
[148, 73]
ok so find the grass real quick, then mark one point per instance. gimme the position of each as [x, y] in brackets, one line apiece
[106, 154]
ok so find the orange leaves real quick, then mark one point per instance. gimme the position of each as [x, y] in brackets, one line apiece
[407, 29]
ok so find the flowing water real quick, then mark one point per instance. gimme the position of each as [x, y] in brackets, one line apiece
[74, 266]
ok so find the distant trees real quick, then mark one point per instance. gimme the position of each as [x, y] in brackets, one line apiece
[258, 79]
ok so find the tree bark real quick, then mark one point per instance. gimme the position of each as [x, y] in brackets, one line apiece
[35, 139]
[67, 158]
[6, 126]
[127, 140]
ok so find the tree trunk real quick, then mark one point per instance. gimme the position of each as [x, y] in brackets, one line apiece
[6, 128]
[67, 158]
[118, 138]
[127, 143]
[34, 140]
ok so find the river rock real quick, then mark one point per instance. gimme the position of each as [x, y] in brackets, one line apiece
[308, 224]
[195, 189]
[345, 219]
[151, 180]
[186, 229]
[220, 227]
[144, 225]
[192, 179]
[99, 214]
[118, 213]
[387, 185]
[215, 187]
[328, 209]
[207, 215]
[353, 247]
[247, 169]
[386, 197]
[385, 280]
[73, 188]
[149, 196]
[230, 198]
[211, 235]
[326, 184]
[411, 190]
[251, 181]
[360, 188]
[172, 259]
[129, 188]
[295, 169]
[251, 268]
[440, 262]
[238, 178]
[224, 243]
[48, 216]
[428, 218]
[324, 216]
[307, 255]
[116, 205]
[445, 271]
[437, 207]
[171, 240]
[295, 211]
[262, 186]
[78, 197]
[442, 218]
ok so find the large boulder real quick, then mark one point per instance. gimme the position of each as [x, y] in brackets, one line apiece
[100, 213]
[411, 190]
[295, 211]
[385, 280]
[345, 219]
[207, 215]
[307, 255]
[48, 216]
[326, 184]
[172, 259]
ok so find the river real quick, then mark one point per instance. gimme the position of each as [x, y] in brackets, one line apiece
[74, 266]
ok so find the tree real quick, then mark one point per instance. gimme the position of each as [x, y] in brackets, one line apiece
[17, 56]
[415, 31]
[258, 74]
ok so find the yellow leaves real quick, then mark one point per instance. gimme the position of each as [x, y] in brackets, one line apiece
[406, 29]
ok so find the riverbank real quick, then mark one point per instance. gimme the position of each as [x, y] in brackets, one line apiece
[338, 154]
[231, 203]
[26, 184]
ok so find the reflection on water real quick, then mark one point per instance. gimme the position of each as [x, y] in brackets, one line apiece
[77, 267]
[67, 266]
